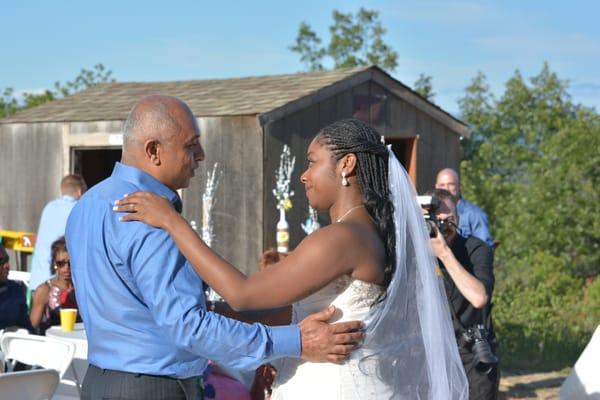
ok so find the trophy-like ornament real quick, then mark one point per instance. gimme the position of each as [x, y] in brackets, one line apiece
[208, 203]
[283, 195]
[312, 222]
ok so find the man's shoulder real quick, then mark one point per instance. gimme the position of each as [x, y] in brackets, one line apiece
[15, 286]
[105, 193]
[474, 244]
[53, 205]
[471, 208]
[100, 200]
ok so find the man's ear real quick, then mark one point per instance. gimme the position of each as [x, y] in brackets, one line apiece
[152, 151]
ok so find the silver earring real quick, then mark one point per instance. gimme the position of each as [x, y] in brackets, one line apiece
[344, 180]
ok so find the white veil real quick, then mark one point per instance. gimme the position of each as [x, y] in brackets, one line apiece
[410, 350]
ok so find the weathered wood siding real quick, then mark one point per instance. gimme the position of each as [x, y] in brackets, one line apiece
[437, 148]
[35, 157]
[236, 144]
[32, 165]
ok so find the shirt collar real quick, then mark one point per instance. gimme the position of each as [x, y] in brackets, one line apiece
[145, 182]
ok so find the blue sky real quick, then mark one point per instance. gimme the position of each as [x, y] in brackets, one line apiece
[46, 41]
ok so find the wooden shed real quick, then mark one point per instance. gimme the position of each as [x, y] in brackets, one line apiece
[244, 124]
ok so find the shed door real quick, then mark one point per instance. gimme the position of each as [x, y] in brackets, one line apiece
[406, 152]
[94, 165]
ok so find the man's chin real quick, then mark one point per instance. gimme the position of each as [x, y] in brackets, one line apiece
[450, 237]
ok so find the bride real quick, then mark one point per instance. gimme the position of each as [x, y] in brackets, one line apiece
[373, 264]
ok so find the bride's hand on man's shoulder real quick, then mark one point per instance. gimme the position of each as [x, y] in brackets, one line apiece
[146, 207]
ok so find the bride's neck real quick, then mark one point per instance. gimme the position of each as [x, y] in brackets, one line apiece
[345, 203]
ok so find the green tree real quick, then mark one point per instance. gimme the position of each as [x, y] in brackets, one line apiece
[548, 292]
[32, 99]
[86, 79]
[424, 87]
[308, 45]
[8, 104]
[534, 167]
[355, 40]
[511, 133]
[476, 107]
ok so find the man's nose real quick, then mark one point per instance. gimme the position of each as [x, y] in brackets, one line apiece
[200, 154]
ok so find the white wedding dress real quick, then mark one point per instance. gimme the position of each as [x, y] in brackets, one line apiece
[298, 379]
[409, 351]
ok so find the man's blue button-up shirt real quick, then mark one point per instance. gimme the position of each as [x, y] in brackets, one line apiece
[142, 303]
[473, 221]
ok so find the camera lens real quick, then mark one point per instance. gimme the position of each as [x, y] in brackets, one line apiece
[485, 360]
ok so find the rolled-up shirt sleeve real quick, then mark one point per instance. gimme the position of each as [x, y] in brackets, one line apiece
[173, 292]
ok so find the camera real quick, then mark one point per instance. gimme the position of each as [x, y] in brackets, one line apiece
[431, 204]
[475, 339]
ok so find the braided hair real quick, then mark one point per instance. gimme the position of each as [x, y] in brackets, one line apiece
[354, 136]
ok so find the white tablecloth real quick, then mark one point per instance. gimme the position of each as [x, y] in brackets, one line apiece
[80, 363]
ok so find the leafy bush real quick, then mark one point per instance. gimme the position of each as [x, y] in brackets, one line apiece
[534, 165]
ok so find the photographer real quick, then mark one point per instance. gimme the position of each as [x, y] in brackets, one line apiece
[467, 268]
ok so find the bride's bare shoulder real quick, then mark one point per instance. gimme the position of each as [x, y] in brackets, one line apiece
[341, 236]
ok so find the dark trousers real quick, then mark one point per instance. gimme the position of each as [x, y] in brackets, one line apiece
[481, 386]
[106, 384]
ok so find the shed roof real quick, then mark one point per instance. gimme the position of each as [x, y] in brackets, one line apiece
[269, 96]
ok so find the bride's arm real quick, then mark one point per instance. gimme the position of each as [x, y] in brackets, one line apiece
[316, 261]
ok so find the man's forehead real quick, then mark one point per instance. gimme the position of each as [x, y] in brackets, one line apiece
[447, 178]
[446, 206]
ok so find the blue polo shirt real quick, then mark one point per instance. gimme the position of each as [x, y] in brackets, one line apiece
[473, 221]
[142, 303]
[52, 226]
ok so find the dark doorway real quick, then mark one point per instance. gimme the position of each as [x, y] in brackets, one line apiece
[406, 151]
[94, 165]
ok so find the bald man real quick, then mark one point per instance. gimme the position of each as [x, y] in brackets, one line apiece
[472, 220]
[149, 334]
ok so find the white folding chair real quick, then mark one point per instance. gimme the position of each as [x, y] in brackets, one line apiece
[40, 351]
[36, 384]
[22, 276]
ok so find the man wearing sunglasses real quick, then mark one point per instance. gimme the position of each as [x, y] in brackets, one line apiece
[466, 265]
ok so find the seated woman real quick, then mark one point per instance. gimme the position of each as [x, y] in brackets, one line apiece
[56, 293]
